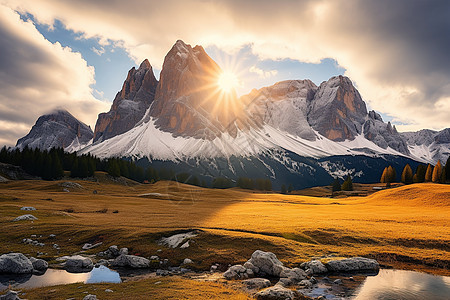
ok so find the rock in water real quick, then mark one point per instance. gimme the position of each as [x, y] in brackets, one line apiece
[131, 261]
[27, 217]
[78, 264]
[15, 263]
[276, 292]
[39, 264]
[352, 264]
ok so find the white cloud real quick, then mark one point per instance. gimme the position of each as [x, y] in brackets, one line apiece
[37, 76]
[261, 73]
[99, 52]
[398, 57]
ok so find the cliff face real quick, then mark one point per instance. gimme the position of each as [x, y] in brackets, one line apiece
[130, 104]
[337, 110]
[188, 100]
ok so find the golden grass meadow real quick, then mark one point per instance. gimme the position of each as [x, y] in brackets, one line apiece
[405, 227]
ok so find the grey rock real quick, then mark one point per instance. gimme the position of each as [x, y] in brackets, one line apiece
[384, 135]
[71, 185]
[316, 267]
[29, 208]
[39, 264]
[88, 246]
[154, 257]
[187, 261]
[78, 263]
[27, 217]
[114, 250]
[15, 263]
[10, 295]
[352, 264]
[267, 263]
[90, 297]
[161, 272]
[337, 281]
[123, 251]
[276, 292]
[108, 291]
[249, 265]
[59, 129]
[236, 272]
[305, 283]
[131, 261]
[257, 283]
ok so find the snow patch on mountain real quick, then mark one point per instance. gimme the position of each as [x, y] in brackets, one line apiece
[338, 170]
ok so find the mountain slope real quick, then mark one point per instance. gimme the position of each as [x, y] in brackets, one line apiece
[58, 129]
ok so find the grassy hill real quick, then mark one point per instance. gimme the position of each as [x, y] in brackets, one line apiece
[405, 227]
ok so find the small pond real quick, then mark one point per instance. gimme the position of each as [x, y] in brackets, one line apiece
[385, 285]
[55, 277]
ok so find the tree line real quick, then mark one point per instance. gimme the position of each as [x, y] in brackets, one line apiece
[424, 173]
[51, 164]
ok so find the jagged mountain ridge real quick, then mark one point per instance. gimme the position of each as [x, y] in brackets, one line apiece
[130, 103]
[185, 118]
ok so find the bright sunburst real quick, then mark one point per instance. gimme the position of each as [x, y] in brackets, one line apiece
[227, 81]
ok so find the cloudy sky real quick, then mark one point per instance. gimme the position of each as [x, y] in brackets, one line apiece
[76, 54]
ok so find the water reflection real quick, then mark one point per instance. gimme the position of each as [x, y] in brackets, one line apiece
[400, 284]
[55, 277]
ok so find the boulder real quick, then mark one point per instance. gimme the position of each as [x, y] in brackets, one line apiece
[39, 265]
[27, 217]
[238, 272]
[123, 251]
[267, 263]
[90, 297]
[88, 246]
[291, 276]
[10, 295]
[306, 283]
[257, 283]
[78, 263]
[131, 261]
[352, 265]
[29, 208]
[15, 263]
[114, 250]
[187, 261]
[276, 292]
[316, 267]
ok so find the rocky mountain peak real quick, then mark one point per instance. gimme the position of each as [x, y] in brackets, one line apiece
[188, 101]
[130, 103]
[57, 129]
[337, 110]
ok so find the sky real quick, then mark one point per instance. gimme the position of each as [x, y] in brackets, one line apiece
[76, 54]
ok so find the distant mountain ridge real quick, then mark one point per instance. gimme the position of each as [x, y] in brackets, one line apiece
[185, 118]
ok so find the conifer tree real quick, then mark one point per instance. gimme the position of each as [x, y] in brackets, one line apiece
[428, 174]
[384, 175]
[420, 173]
[113, 168]
[391, 175]
[444, 175]
[57, 169]
[447, 169]
[283, 189]
[290, 188]
[348, 184]
[436, 177]
[336, 185]
[407, 175]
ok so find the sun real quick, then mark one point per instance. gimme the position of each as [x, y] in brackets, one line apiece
[227, 81]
